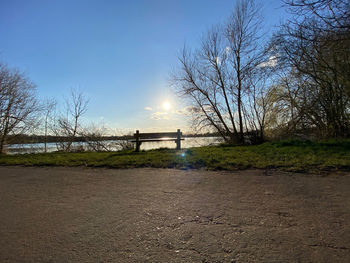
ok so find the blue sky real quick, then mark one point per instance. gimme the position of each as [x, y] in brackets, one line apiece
[119, 53]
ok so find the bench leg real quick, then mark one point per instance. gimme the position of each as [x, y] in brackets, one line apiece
[178, 144]
[138, 144]
[178, 140]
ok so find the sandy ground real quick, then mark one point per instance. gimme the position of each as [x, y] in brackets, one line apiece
[165, 215]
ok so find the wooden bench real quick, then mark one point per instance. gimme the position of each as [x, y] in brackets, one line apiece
[158, 137]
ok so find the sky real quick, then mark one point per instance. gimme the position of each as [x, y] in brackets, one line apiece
[119, 53]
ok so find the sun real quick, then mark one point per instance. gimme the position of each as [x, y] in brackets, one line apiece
[166, 105]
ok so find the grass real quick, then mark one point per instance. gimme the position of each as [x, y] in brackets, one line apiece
[300, 156]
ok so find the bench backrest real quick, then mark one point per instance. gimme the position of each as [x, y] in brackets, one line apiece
[157, 135]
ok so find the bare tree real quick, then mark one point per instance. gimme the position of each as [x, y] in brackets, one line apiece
[314, 47]
[49, 106]
[68, 123]
[18, 104]
[98, 138]
[334, 14]
[260, 102]
[219, 77]
[95, 138]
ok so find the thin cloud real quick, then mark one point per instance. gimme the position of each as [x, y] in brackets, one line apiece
[160, 116]
[189, 110]
[148, 108]
[272, 62]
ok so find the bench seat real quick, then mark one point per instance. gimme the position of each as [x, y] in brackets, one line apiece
[157, 140]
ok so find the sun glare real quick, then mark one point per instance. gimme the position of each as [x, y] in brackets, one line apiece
[166, 105]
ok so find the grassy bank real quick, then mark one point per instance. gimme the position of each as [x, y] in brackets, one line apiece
[287, 155]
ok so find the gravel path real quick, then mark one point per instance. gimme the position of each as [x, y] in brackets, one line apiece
[166, 215]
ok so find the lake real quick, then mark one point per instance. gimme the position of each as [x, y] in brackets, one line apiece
[112, 145]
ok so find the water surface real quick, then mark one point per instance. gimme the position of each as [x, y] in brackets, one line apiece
[114, 145]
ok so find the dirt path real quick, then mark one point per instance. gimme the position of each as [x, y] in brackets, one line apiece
[159, 215]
